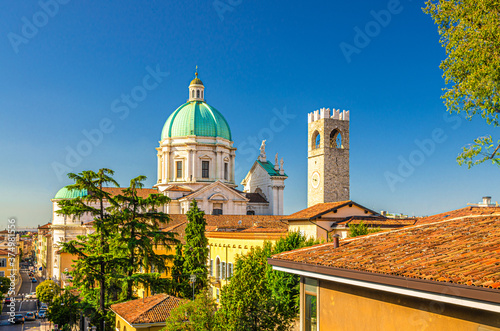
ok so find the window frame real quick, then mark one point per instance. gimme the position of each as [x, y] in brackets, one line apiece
[178, 170]
[205, 173]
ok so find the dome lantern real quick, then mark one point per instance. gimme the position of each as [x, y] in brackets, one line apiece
[196, 89]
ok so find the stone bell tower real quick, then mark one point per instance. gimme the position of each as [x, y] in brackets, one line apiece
[328, 156]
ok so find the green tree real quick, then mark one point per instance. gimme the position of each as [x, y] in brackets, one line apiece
[4, 285]
[285, 287]
[197, 315]
[361, 229]
[47, 291]
[180, 284]
[64, 310]
[139, 233]
[247, 302]
[470, 32]
[196, 248]
[95, 263]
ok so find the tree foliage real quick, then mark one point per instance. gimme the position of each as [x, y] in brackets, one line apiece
[138, 234]
[196, 248]
[4, 285]
[361, 229]
[64, 310]
[258, 297]
[180, 285]
[470, 32]
[47, 290]
[127, 232]
[197, 315]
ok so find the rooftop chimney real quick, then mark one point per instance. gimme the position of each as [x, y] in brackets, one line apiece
[486, 201]
[336, 243]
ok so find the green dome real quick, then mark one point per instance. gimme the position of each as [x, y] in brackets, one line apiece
[65, 193]
[196, 118]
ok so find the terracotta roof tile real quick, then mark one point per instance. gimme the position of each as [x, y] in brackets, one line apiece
[153, 309]
[374, 221]
[142, 192]
[461, 251]
[467, 211]
[260, 223]
[45, 226]
[323, 208]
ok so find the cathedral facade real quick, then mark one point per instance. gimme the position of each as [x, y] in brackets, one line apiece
[196, 159]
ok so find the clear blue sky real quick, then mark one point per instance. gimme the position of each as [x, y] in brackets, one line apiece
[61, 73]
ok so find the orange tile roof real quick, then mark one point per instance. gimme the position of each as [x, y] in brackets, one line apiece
[462, 251]
[467, 211]
[142, 192]
[321, 209]
[377, 221]
[264, 223]
[45, 226]
[6, 252]
[153, 309]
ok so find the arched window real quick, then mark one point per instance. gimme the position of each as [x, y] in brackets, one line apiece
[192, 94]
[202, 94]
[197, 93]
[316, 140]
[336, 139]
[217, 272]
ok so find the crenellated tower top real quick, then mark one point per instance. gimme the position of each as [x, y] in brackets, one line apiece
[325, 113]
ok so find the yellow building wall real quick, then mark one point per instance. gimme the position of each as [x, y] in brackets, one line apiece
[227, 246]
[121, 325]
[308, 229]
[344, 307]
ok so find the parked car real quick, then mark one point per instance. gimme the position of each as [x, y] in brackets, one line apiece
[33, 280]
[19, 318]
[30, 316]
[41, 313]
[7, 300]
[44, 306]
[31, 295]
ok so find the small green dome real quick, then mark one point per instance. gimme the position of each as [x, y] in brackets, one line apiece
[65, 193]
[196, 81]
[196, 118]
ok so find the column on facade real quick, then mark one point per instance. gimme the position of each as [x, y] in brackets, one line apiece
[164, 162]
[231, 168]
[187, 172]
[275, 200]
[160, 176]
[281, 199]
[168, 165]
[220, 165]
[193, 166]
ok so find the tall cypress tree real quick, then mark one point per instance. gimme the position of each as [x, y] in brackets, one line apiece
[179, 280]
[196, 249]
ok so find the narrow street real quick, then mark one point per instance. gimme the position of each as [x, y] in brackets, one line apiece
[22, 306]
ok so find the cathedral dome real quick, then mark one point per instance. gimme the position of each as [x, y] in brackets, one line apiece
[65, 193]
[196, 118]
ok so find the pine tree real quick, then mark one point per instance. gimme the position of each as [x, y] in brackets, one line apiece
[139, 234]
[179, 280]
[196, 249]
[95, 264]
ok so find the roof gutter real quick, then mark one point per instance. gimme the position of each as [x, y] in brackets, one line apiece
[463, 295]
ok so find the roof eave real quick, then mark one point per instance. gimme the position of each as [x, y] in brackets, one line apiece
[489, 297]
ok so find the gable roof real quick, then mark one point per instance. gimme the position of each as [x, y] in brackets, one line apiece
[461, 251]
[269, 167]
[320, 209]
[255, 198]
[153, 309]
[178, 188]
[211, 186]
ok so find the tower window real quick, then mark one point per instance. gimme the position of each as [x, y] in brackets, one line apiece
[192, 94]
[197, 93]
[226, 171]
[178, 166]
[205, 169]
[316, 140]
[336, 139]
